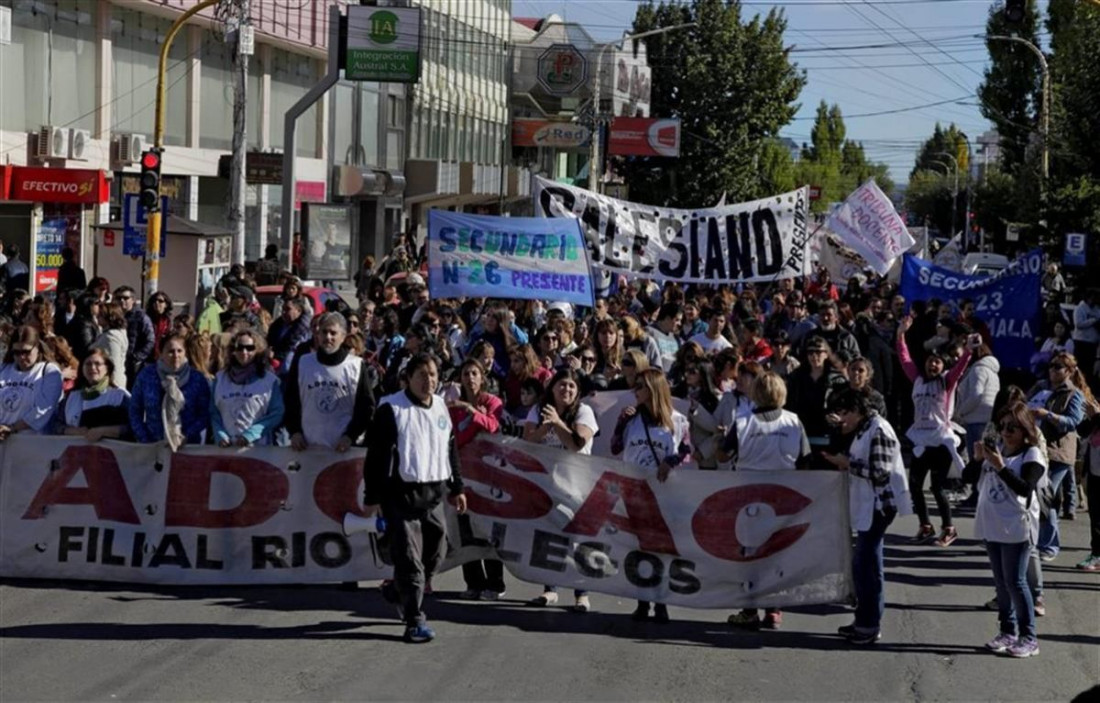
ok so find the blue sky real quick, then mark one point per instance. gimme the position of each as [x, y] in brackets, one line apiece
[861, 81]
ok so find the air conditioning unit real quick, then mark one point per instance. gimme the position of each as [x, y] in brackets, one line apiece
[79, 144]
[53, 143]
[130, 147]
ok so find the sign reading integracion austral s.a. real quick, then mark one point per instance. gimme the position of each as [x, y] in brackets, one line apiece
[383, 44]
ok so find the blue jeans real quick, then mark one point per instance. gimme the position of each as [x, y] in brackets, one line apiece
[867, 572]
[1049, 542]
[1016, 609]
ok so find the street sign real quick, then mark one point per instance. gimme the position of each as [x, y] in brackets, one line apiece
[562, 68]
[260, 168]
[1075, 249]
[815, 193]
[135, 224]
[383, 44]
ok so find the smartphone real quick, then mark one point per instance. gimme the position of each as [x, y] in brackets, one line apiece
[990, 443]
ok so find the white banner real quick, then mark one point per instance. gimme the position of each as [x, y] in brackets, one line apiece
[868, 223]
[114, 511]
[702, 539]
[951, 256]
[763, 240]
[841, 262]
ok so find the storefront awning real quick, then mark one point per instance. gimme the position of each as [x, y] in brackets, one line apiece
[55, 185]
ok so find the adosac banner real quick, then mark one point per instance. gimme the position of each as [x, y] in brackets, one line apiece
[868, 223]
[507, 257]
[114, 511]
[1008, 302]
[762, 240]
[702, 539]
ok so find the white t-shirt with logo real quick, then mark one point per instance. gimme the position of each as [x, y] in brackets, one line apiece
[585, 418]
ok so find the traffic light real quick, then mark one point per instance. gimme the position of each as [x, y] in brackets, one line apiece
[1015, 10]
[150, 180]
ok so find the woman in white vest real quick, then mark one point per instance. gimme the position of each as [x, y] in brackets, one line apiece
[246, 400]
[654, 436]
[768, 439]
[934, 435]
[329, 401]
[97, 408]
[30, 385]
[411, 463]
[1007, 520]
[562, 420]
[877, 493]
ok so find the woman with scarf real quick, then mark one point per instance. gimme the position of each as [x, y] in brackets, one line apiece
[246, 401]
[706, 439]
[98, 408]
[170, 401]
[653, 436]
[159, 311]
[935, 444]
[30, 385]
[475, 412]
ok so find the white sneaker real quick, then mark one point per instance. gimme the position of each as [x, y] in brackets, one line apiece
[547, 598]
[492, 595]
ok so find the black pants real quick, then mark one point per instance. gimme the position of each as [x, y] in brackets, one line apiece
[937, 461]
[1092, 490]
[418, 537]
[484, 575]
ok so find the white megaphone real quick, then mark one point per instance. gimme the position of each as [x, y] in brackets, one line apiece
[356, 523]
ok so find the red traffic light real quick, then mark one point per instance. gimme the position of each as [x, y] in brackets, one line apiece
[150, 159]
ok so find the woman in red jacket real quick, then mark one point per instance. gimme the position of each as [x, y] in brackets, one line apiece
[474, 411]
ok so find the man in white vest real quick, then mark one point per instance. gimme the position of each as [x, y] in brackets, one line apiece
[411, 464]
[329, 402]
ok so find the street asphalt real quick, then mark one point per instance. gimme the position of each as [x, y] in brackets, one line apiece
[62, 641]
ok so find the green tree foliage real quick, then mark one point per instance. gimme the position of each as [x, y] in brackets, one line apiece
[777, 167]
[932, 180]
[1010, 94]
[944, 141]
[835, 164]
[733, 86]
[928, 197]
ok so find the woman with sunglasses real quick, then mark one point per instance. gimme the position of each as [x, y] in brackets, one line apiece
[159, 311]
[170, 401]
[654, 436]
[562, 421]
[246, 401]
[98, 408]
[1007, 519]
[689, 354]
[1058, 411]
[30, 385]
[473, 413]
[634, 362]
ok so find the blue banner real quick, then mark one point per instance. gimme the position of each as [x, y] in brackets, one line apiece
[1007, 301]
[507, 257]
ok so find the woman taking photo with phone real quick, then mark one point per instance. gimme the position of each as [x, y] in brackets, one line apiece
[654, 436]
[1007, 520]
[563, 421]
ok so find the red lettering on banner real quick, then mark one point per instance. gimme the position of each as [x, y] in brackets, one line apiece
[337, 487]
[715, 521]
[643, 516]
[188, 501]
[520, 499]
[106, 491]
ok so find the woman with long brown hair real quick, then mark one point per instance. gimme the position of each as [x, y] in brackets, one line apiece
[30, 385]
[653, 436]
[97, 408]
[609, 349]
[523, 364]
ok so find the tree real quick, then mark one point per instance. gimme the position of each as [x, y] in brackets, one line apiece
[928, 198]
[835, 164]
[1010, 93]
[943, 141]
[777, 167]
[733, 86]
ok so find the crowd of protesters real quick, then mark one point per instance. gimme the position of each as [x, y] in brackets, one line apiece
[851, 378]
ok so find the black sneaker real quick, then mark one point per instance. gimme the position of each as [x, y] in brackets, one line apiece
[660, 614]
[391, 596]
[641, 613]
[846, 631]
[865, 639]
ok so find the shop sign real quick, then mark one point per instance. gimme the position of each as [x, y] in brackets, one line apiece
[58, 185]
[383, 44]
[528, 132]
[562, 68]
[643, 136]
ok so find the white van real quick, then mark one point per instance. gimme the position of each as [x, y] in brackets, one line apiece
[983, 264]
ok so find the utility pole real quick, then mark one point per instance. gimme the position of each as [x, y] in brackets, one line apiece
[955, 192]
[242, 46]
[1044, 120]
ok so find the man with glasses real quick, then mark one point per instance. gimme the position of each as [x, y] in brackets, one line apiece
[140, 336]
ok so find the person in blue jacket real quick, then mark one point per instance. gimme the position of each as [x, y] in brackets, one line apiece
[170, 401]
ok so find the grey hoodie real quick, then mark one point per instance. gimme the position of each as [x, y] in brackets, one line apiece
[977, 390]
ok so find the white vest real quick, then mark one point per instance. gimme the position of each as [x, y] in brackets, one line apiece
[861, 493]
[1003, 516]
[328, 398]
[241, 406]
[423, 439]
[18, 390]
[932, 411]
[637, 446]
[764, 445]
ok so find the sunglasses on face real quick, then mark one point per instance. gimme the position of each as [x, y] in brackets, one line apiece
[22, 352]
[125, 297]
[1057, 367]
[588, 359]
[245, 347]
[628, 364]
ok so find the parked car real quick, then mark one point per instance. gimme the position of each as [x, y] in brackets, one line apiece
[982, 264]
[318, 297]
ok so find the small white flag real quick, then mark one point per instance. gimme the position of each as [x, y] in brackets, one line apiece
[869, 224]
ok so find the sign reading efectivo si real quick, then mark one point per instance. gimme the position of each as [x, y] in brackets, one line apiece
[383, 44]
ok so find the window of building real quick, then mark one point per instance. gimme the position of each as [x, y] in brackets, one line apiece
[369, 117]
[217, 86]
[292, 75]
[136, 39]
[342, 102]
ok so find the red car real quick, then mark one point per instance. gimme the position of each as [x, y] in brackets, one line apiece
[317, 297]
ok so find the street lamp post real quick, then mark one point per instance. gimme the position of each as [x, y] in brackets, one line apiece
[594, 146]
[955, 192]
[1044, 120]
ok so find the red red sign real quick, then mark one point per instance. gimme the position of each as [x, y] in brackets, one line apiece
[644, 136]
[308, 192]
[58, 185]
[815, 193]
[5, 181]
